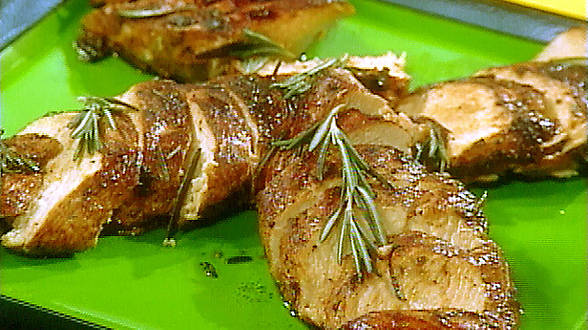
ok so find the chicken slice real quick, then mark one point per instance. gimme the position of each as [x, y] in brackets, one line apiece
[491, 126]
[437, 258]
[564, 96]
[571, 43]
[19, 189]
[199, 40]
[75, 197]
[193, 151]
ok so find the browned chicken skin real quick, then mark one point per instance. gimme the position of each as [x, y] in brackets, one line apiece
[438, 259]
[71, 199]
[528, 118]
[224, 128]
[19, 188]
[410, 319]
[196, 40]
[213, 143]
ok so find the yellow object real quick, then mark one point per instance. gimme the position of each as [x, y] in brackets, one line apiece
[571, 8]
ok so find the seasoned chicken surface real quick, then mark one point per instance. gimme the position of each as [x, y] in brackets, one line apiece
[528, 118]
[571, 43]
[190, 149]
[19, 188]
[410, 319]
[383, 75]
[196, 40]
[182, 150]
[68, 202]
[438, 266]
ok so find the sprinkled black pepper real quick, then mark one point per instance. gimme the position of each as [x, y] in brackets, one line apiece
[209, 269]
[239, 260]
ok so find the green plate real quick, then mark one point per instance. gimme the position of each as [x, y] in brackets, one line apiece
[135, 282]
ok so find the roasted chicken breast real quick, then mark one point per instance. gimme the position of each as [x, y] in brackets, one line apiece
[527, 118]
[65, 205]
[437, 268]
[196, 40]
[568, 44]
[180, 150]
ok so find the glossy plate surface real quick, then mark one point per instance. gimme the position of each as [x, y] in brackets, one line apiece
[133, 282]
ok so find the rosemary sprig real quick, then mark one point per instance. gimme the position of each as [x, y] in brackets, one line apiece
[256, 44]
[302, 82]
[13, 162]
[85, 126]
[357, 214]
[434, 149]
[256, 49]
[211, 20]
[253, 64]
[172, 225]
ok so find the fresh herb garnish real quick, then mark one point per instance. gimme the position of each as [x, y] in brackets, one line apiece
[396, 287]
[180, 199]
[209, 269]
[256, 44]
[480, 203]
[253, 64]
[302, 82]
[239, 260]
[357, 214]
[256, 50]
[85, 126]
[433, 149]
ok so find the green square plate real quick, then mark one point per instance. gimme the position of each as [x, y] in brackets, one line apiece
[133, 282]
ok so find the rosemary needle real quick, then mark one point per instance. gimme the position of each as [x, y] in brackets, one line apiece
[152, 12]
[86, 125]
[357, 205]
[255, 44]
[256, 50]
[302, 82]
[180, 199]
[434, 149]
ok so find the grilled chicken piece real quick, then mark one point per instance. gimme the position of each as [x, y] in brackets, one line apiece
[528, 118]
[410, 319]
[19, 188]
[182, 150]
[562, 84]
[383, 75]
[71, 199]
[164, 123]
[438, 266]
[571, 43]
[191, 41]
[191, 148]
